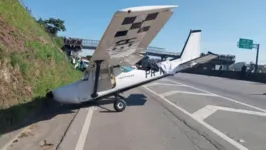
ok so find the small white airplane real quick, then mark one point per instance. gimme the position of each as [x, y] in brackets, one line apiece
[130, 32]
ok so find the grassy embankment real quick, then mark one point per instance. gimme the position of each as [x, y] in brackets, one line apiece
[31, 62]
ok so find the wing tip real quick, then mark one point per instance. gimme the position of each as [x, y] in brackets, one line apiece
[147, 8]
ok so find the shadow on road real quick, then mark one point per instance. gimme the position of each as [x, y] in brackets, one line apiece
[136, 100]
[131, 100]
[41, 108]
[22, 115]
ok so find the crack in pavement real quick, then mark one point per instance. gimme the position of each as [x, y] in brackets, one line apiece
[67, 129]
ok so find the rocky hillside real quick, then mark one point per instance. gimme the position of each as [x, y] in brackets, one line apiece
[31, 62]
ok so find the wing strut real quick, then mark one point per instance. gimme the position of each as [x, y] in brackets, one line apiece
[97, 74]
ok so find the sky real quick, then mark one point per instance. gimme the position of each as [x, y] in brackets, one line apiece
[222, 22]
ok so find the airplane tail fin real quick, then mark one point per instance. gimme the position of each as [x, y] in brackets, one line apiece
[189, 57]
[191, 49]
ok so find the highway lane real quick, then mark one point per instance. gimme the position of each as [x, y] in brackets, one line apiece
[145, 124]
[252, 93]
[245, 126]
[181, 112]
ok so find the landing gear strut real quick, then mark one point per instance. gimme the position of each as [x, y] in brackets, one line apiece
[119, 103]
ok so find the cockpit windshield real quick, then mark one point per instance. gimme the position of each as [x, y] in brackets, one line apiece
[126, 68]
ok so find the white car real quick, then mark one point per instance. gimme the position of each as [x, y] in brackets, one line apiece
[86, 63]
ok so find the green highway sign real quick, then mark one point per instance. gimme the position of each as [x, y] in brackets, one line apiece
[245, 43]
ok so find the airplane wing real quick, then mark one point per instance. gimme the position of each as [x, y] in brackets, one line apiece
[130, 32]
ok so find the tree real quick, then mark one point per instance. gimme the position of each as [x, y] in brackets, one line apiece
[52, 25]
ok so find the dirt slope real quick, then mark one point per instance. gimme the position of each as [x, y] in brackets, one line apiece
[31, 62]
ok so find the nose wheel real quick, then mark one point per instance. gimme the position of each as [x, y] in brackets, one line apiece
[119, 103]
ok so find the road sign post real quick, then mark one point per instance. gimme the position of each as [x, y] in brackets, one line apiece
[257, 56]
[248, 44]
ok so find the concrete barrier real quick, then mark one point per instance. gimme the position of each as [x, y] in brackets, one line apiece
[255, 77]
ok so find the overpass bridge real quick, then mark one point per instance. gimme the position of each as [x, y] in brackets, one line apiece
[76, 45]
[88, 44]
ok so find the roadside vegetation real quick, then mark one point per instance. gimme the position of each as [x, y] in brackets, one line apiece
[31, 63]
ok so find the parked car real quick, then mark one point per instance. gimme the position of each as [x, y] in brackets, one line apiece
[85, 63]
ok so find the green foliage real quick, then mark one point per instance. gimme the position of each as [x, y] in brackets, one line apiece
[3, 52]
[59, 41]
[41, 62]
[19, 18]
[18, 60]
[52, 25]
[46, 52]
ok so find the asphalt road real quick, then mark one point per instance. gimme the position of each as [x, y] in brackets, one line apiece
[182, 112]
[240, 115]
[220, 113]
[186, 112]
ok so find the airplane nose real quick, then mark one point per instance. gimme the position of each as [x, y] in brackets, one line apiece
[56, 95]
[63, 95]
[69, 94]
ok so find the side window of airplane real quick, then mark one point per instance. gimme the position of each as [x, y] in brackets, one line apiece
[126, 68]
[112, 76]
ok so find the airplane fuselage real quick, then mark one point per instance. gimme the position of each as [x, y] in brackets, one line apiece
[81, 90]
[129, 33]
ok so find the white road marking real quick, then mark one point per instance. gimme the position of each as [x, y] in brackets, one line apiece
[84, 131]
[152, 84]
[191, 87]
[157, 83]
[169, 93]
[242, 111]
[226, 98]
[204, 112]
[231, 141]
[185, 92]
[208, 110]
[170, 84]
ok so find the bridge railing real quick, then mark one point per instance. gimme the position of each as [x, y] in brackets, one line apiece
[163, 52]
[150, 49]
[86, 42]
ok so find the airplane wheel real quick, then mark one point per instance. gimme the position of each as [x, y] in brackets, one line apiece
[120, 105]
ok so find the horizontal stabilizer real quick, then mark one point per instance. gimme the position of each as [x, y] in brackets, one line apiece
[172, 67]
[202, 59]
